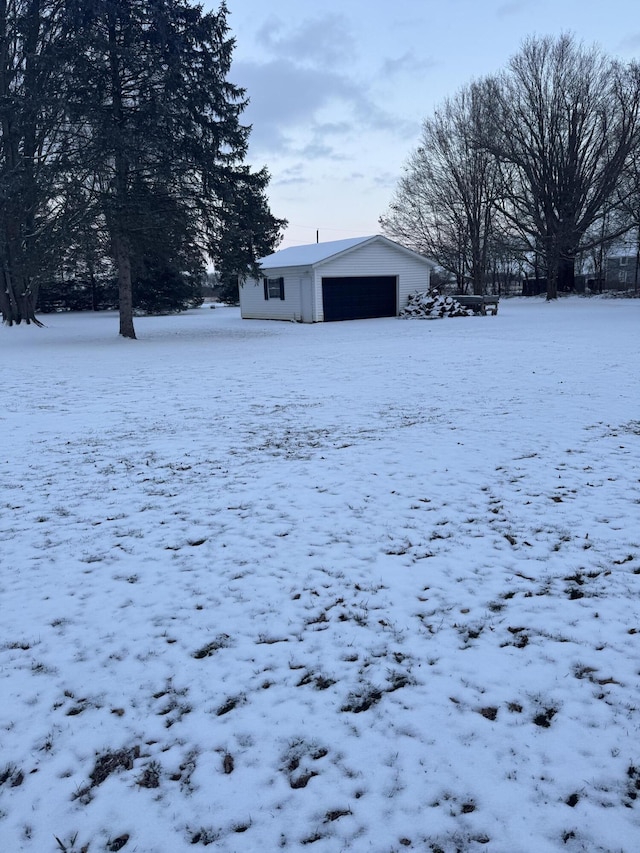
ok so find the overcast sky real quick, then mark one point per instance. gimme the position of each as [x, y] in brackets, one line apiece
[338, 89]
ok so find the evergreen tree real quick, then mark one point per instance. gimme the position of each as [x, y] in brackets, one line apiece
[167, 267]
[247, 231]
[159, 120]
[35, 193]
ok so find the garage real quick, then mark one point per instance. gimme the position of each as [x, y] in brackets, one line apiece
[359, 297]
[353, 279]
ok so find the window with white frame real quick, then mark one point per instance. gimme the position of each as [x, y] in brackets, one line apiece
[274, 288]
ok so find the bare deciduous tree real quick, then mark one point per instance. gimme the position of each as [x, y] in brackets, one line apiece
[444, 206]
[562, 120]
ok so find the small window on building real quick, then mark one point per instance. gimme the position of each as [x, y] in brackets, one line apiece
[623, 260]
[622, 276]
[274, 288]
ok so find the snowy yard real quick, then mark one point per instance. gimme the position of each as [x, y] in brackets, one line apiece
[367, 586]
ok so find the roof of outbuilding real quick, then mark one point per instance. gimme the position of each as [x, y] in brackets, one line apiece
[314, 253]
[303, 256]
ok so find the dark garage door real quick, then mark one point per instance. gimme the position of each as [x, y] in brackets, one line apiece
[358, 298]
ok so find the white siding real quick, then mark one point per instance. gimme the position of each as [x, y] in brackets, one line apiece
[375, 259]
[253, 305]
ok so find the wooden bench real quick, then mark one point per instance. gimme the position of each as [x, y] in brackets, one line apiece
[479, 304]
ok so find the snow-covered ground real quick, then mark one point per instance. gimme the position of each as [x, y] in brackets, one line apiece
[368, 586]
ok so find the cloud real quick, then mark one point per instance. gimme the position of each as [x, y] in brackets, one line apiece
[322, 41]
[508, 10]
[313, 99]
[318, 149]
[408, 63]
[287, 99]
[335, 128]
[293, 176]
[284, 96]
[385, 180]
[631, 44]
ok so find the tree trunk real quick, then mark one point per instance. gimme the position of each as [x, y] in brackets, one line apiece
[94, 287]
[17, 307]
[477, 265]
[635, 275]
[567, 274]
[17, 300]
[125, 295]
[121, 245]
[553, 266]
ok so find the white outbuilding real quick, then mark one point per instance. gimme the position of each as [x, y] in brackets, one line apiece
[341, 280]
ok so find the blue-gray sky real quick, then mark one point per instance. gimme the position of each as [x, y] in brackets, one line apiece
[338, 89]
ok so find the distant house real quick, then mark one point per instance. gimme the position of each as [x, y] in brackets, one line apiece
[621, 269]
[341, 280]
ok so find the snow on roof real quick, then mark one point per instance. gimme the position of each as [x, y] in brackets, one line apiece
[303, 256]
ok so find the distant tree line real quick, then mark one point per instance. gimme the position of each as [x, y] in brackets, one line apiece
[122, 157]
[532, 168]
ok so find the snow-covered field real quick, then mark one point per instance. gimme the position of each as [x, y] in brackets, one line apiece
[368, 586]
